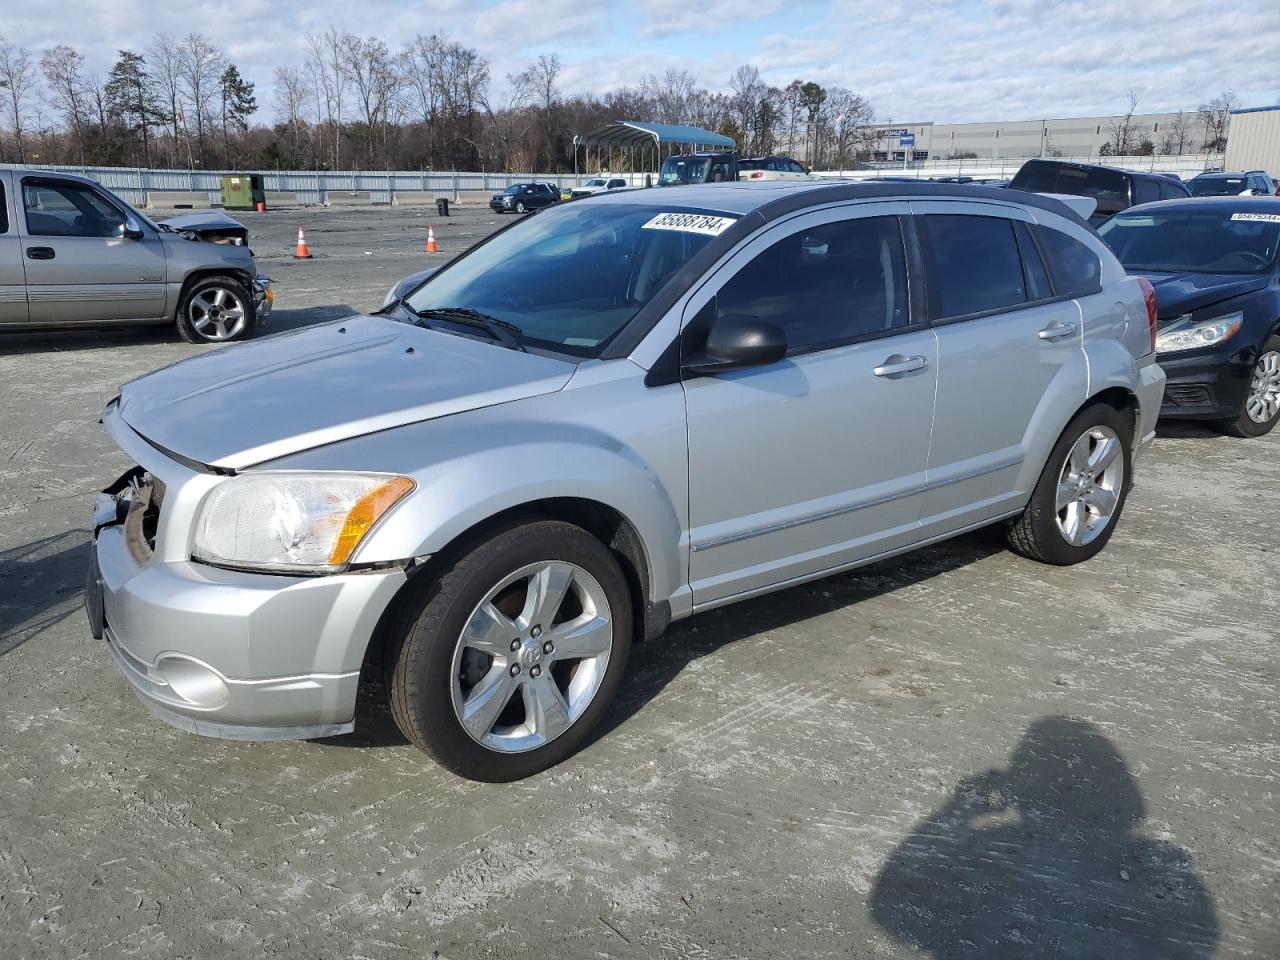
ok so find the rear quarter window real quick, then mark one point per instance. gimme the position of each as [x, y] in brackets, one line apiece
[1075, 269]
[974, 265]
[4, 211]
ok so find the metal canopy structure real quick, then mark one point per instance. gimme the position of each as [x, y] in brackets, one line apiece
[632, 135]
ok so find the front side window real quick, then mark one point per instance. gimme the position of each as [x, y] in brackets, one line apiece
[1182, 241]
[827, 285]
[570, 278]
[683, 170]
[1077, 271]
[974, 265]
[60, 208]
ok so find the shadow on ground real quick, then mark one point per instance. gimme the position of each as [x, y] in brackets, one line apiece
[1046, 858]
[40, 585]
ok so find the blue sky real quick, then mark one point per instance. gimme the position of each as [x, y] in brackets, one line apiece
[942, 61]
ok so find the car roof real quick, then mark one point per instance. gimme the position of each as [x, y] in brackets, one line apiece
[1227, 204]
[776, 197]
[1094, 166]
[1216, 174]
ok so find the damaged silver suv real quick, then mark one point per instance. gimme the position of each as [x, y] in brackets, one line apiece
[616, 413]
[73, 254]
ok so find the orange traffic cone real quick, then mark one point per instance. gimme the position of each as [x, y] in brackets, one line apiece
[431, 241]
[302, 253]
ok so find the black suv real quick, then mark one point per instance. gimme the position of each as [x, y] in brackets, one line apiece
[1254, 183]
[523, 197]
[1113, 189]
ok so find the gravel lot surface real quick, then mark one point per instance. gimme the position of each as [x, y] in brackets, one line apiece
[958, 753]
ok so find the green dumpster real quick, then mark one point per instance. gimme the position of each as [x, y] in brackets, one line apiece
[243, 192]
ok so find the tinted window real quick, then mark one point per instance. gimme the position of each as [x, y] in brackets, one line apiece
[826, 285]
[1183, 241]
[4, 211]
[1076, 270]
[796, 167]
[1218, 186]
[1109, 187]
[60, 208]
[1038, 286]
[974, 265]
[1147, 191]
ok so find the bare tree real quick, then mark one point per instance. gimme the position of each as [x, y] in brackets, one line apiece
[291, 104]
[329, 76]
[1174, 140]
[670, 95]
[201, 65]
[1215, 117]
[17, 76]
[1123, 130]
[166, 59]
[63, 69]
[539, 84]
[375, 82]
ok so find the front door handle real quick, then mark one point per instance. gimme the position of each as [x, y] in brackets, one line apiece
[40, 253]
[1057, 330]
[898, 364]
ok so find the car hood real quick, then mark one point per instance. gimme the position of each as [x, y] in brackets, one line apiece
[211, 225]
[257, 401]
[1179, 293]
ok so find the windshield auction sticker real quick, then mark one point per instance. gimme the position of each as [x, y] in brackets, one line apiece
[1263, 217]
[690, 223]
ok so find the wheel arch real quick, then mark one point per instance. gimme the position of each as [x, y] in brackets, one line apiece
[244, 277]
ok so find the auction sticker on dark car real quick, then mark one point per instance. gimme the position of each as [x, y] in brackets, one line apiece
[1257, 217]
[690, 223]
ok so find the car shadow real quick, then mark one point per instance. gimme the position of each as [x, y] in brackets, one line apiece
[41, 584]
[1186, 430]
[1046, 858]
[282, 321]
[655, 664]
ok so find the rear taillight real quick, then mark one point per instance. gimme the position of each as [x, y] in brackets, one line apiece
[755, 175]
[1149, 295]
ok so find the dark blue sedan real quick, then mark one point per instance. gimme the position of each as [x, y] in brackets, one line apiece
[1214, 267]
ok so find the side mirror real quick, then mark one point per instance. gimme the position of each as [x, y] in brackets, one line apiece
[735, 342]
[131, 230]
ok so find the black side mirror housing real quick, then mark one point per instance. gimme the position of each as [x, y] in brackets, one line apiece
[738, 341]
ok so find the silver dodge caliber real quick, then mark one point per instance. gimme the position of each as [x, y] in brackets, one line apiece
[616, 413]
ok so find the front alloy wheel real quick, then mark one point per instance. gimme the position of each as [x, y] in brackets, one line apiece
[1262, 403]
[512, 650]
[532, 656]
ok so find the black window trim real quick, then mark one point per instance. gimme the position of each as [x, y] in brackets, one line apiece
[5, 220]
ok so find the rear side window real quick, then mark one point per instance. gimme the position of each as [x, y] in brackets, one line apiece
[4, 211]
[974, 265]
[827, 285]
[1038, 286]
[1076, 270]
[1147, 192]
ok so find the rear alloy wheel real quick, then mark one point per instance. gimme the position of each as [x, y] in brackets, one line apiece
[216, 310]
[1262, 403]
[515, 653]
[1078, 499]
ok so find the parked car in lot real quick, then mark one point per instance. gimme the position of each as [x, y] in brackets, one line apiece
[1113, 189]
[73, 254]
[771, 168]
[1213, 265]
[598, 185]
[1254, 183]
[615, 414]
[523, 198]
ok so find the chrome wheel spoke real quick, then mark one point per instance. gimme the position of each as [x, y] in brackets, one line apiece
[1103, 455]
[200, 322]
[1073, 522]
[490, 632]
[586, 636]
[1066, 494]
[546, 712]
[1102, 502]
[1078, 459]
[546, 591]
[487, 700]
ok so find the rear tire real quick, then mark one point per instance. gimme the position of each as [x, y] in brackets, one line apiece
[479, 634]
[1261, 410]
[217, 309]
[1081, 493]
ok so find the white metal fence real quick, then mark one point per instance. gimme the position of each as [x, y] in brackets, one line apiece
[138, 185]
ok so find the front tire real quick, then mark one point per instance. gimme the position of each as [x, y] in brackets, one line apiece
[514, 652]
[1081, 493]
[1261, 410]
[520, 207]
[216, 309]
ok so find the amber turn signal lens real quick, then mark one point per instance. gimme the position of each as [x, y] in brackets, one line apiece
[367, 511]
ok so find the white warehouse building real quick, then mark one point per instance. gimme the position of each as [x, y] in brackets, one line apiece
[1176, 133]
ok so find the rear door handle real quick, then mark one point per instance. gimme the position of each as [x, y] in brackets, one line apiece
[1057, 330]
[40, 253]
[898, 364]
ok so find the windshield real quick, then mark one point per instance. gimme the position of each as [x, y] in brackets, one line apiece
[1200, 242]
[1218, 186]
[683, 170]
[514, 188]
[595, 183]
[1109, 187]
[571, 277]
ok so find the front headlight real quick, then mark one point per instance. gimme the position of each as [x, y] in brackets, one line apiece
[1182, 334]
[292, 522]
